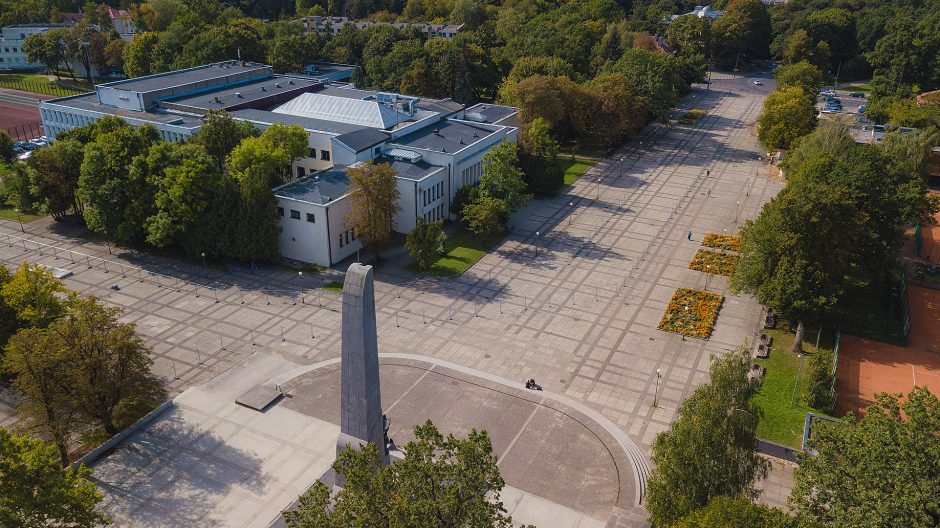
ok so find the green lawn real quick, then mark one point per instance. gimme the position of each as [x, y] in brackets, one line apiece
[461, 251]
[575, 168]
[37, 84]
[333, 286]
[856, 87]
[9, 213]
[783, 421]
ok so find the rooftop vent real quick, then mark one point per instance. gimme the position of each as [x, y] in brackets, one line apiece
[291, 82]
[461, 141]
[437, 131]
[263, 89]
[277, 85]
[217, 100]
[238, 95]
[476, 135]
[443, 149]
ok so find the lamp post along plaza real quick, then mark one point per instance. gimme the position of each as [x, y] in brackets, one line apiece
[19, 219]
[659, 375]
[536, 243]
[300, 286]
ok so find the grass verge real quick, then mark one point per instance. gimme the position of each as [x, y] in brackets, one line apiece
[462, 250]
[782, 421]
[574, 168]
[35, 84]
[9, 213]
[333, 286]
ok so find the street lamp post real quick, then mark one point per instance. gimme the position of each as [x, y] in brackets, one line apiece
[205, 268]
[570, 212]
[300, 276]
[536, 243]
[708, 275]
[737, 206]
[659, 375]
[20, 220]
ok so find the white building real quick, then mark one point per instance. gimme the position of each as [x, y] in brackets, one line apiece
[435, 146]
[335, 24]
[12, 55]
[701, 12]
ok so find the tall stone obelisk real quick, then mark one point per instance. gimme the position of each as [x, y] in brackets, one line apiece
[361, 418]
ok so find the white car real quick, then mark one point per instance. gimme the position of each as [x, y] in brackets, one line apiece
[828, 92]
[758, 83]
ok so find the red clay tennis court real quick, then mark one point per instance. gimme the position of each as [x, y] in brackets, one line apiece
[867, 367]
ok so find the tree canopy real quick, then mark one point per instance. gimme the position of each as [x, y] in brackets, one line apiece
[373, 204]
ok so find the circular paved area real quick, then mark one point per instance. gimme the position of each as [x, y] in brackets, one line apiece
[543, 447]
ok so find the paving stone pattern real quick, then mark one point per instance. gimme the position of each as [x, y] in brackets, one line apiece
[575, 307]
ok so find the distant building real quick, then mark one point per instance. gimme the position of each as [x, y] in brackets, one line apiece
[435, 146]
[335, 24]
[12, 55]
[701, 12]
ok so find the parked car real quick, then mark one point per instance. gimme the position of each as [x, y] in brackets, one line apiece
[828, 92]
[758, 83]
[24, 156]
[856, 94]
[862, 109]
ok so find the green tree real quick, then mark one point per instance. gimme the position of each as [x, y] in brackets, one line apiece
[828, 138]
[796, 253]
[38, 493]
[144, 55]
[802, 75]
[373, 196]
[291, 142]
[486, 215]
[35, 295]
[117, 200]
[9, 323]
[689, 34]
[744, 31]
[735, 512]
[33, 358]
[502, 178]
[445, 482]
[880, 470]
[653, 76]
[6, 147]
[49, 48]
[185, 189]
[711, 449]
[539, 158]
[426, 242]
[787, 115]
[54, 172]
[107, 365]
[220, 134]
[255, 164]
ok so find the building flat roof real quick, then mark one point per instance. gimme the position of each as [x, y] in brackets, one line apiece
[446, 136]
[308, 123]
[89, 101]
[410, 171]
[169, 79]
[490, 113]
[362, 139]
[320, 188]
[256, 91]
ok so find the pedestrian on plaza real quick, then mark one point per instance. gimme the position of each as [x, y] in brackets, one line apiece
[689, 236]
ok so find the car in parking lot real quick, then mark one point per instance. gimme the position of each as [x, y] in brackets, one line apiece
[862, 109]
[758, 83]
[828, 92]
[856, 94]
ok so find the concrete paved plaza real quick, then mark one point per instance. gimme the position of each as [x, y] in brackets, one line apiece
[580, 316]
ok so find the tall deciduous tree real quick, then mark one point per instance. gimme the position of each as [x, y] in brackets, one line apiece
[220, 134]
[744, 30]
[38, 493]
[880, 470]
[117, 200]
[802, 75]
[796, 253]
[6, 147]
[106, 363]
[443, 482]
[502, 178]
[539, 158]
[711, 448]
[735, 512]
[54, 172]
[255, 164]
[788, 114]
[373, 198]
[425, 242]
[35, 295]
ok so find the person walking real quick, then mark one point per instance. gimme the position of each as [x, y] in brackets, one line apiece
[689, 236]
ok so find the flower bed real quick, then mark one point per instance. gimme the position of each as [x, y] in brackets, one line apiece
[717, 262]
[692, 312]
[728, 242]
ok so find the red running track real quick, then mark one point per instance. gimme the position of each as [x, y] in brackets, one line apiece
[18, 111]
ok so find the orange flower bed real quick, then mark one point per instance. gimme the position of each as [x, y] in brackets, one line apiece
[731, 243]
[692, 312]
[717, 262]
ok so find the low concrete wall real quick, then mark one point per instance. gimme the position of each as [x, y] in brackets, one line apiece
[776, 450]
[112, 442]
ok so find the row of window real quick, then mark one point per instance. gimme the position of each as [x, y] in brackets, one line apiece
[433, 193]
[324, 154]
[8, 50]
[295, 215]
[346, 235]
[471, 175]
[434, 214]
[68, 118]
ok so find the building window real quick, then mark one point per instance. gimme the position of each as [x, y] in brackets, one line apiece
[347, 237]
[313, 153]
[378, 150]
[325, 155]
[295, 214]
[340, 240]
[280, 211]
[311, 218]
[300, 172]
[353, 233]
